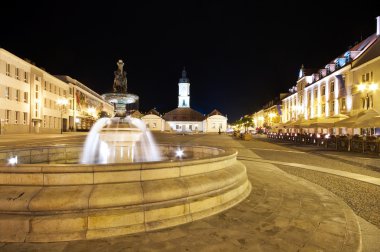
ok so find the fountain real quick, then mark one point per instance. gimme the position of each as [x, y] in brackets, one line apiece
[119, 185]
[121, 139]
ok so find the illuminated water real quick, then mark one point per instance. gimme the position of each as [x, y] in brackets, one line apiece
[119, 140]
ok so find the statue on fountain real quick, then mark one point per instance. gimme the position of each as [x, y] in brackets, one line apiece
[120, 80]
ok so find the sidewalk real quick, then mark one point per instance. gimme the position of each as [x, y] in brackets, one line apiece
[282, 213]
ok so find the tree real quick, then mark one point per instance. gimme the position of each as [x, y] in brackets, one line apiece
[247, 122]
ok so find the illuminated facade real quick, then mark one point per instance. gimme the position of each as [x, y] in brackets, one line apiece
[33, 101]
[343, 88]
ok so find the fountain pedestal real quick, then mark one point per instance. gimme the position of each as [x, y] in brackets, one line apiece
[119, 144]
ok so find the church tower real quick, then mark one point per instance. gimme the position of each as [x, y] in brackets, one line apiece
[184, 91]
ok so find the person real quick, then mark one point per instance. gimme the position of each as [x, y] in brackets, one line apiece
[219, 131]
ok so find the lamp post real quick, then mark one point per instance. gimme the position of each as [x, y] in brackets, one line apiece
[62, 102]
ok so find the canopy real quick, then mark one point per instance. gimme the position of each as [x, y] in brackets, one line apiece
[324, 122]
[364, 119]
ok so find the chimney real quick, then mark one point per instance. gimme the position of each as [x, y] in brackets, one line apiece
[378, 26]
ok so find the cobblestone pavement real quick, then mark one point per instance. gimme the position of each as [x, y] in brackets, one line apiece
[282, 213]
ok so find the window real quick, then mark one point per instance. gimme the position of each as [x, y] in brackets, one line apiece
[7, 116]
[332, 106]
[17, 73]
[45, 85]
[177, 127]
[17, 120]
[363, 103]
[154, 125]
[332, 85]
[17, 95]
[26, 97]
[36, 88]
[36, 95]
[45, 120]
[8, 93]
[8, 69]
[323, 108]
[343, 104]
[25, 118]
[316, 93]
[370, 101]
[190, 127]
[64, 93]
[45, 102]
[323, 90]
[26, 77]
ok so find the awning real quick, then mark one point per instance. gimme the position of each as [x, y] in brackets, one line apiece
[361, 120]
[327, 122]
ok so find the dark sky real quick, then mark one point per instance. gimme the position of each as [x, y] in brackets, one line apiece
[238, 54]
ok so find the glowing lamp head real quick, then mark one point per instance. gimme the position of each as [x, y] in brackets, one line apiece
[362, 87]
[373, 87]
[179, 153]
[13, 160]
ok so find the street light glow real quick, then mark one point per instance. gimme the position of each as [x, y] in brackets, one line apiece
[362, 87]
[179, 153]
[13, 160]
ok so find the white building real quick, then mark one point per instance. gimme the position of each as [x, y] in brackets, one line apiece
[33, 101]
[154, 121]
[186, 119]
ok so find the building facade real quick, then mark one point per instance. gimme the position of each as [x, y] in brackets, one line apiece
[335, 98]
[183, 118]
[34, 101]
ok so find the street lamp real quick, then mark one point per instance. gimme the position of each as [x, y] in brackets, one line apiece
[62, 102]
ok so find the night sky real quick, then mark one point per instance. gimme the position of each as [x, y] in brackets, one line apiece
[238, 54]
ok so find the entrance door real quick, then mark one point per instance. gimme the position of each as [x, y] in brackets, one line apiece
[64, 124]
[183, 127]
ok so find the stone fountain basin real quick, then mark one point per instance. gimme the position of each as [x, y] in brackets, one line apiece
[63, 202]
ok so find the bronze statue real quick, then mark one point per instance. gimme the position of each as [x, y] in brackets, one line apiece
[120, 80]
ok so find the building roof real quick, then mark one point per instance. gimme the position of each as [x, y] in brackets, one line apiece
[136, 114]
[214, 112]
[153, 111]
[183, 114]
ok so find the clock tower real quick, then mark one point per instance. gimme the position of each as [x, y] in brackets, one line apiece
[184, 91]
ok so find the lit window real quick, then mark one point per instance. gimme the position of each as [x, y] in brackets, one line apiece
[343, 103]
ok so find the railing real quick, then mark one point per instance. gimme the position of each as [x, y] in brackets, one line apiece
[362, 144]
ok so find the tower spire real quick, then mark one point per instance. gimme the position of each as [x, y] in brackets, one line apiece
[184, 78]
